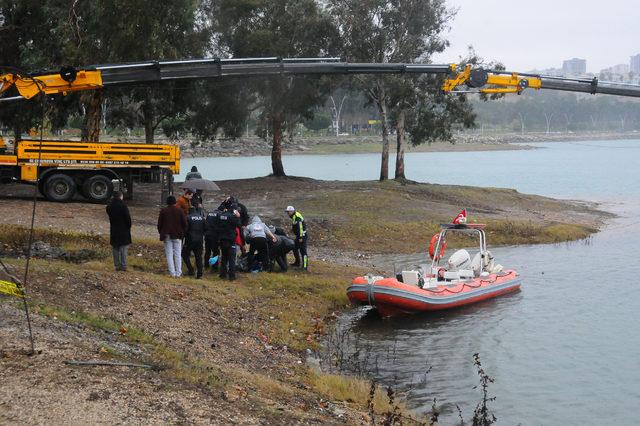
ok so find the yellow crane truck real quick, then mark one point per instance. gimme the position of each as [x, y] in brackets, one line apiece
[92, 170]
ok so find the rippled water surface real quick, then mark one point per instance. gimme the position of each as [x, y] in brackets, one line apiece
[564, 350]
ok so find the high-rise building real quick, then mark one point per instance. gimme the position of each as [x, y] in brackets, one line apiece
[635, 64]
[574, 66]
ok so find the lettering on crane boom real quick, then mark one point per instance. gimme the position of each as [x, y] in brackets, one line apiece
[91, 162]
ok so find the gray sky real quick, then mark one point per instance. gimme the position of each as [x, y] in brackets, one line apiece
[542, 33]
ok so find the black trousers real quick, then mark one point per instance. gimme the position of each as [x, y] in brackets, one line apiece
[260, 246]
[196, 249]
[280, 257]
[211, 249]
[300, 251]
[228, 262]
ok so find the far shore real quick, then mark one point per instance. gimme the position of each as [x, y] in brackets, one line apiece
[347, 144]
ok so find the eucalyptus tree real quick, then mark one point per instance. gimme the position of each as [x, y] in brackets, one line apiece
[285, 29]
[114, 31]
[27, 43]
[391, 31]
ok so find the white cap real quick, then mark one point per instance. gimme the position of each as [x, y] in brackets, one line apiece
[289, 209]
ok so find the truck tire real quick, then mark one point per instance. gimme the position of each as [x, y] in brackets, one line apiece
[59, 187]
[98, 188]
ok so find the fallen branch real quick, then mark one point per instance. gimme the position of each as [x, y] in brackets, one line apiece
[110, 364]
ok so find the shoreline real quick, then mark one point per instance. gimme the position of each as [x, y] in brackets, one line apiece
[465, 142]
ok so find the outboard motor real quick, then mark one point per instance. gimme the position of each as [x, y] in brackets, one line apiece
[458, 260]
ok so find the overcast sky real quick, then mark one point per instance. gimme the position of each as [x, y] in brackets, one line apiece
[541, 34]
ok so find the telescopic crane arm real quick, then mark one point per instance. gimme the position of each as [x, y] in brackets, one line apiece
[474, 79]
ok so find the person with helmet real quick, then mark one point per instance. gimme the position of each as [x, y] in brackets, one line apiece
[194, 236]
[299, 228]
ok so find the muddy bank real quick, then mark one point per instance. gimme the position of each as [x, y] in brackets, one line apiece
[348, 221]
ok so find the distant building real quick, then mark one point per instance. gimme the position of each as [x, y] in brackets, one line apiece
[618, 72]
[574, 66]
[635, 64]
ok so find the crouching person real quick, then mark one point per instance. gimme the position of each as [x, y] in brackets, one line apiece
[257, 233]
[278, 251]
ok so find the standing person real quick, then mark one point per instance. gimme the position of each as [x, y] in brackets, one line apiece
[172, 224]
[299, 228]
[244, 213]
[257, 233]
[196, 228]
[211, 238]
[119, 230]
[184, 202]
[193, 174]
[227, 223]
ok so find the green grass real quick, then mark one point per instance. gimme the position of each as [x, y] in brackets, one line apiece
[392, 218]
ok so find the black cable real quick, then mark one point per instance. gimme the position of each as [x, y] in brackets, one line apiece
[25, 281]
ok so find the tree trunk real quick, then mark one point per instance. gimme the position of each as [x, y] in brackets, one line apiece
[92, 118]
[17, 134]
[400, 138]
[148, 116]
[384, 166]
[276, 149]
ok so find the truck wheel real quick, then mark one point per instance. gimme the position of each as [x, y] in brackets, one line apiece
[59, 187]
[97, 189]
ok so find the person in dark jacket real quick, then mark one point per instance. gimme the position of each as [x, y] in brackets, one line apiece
[172, 223]
[211, 238]
[196, 229]
[232, 201]
[278, 251]
[119, 230]
[227, 223]
[193, 174]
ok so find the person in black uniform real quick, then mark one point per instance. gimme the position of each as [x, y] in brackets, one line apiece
[196, 228]
[244, 213]
[227, 223]
[211, 238]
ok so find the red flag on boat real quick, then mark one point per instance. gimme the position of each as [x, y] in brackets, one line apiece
[461, 219]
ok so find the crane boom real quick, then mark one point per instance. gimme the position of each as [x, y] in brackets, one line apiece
[476, 79]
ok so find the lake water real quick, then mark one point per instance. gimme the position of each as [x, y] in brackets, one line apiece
[564, 350]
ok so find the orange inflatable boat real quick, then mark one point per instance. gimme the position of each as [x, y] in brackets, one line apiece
[461, 281]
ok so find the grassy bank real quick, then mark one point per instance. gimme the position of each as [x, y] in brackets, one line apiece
[245, 341]
[392, 217]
